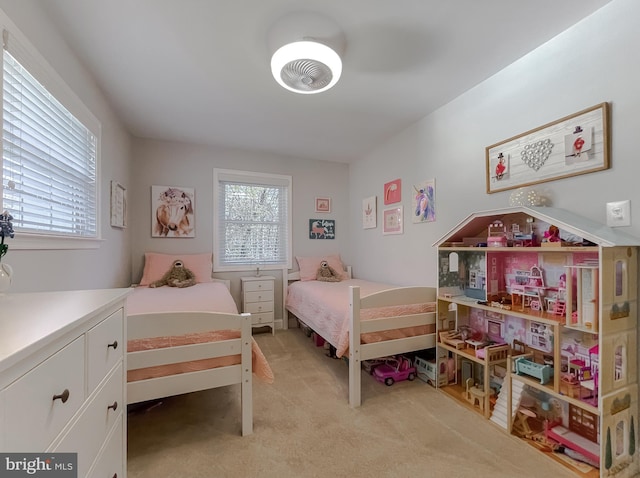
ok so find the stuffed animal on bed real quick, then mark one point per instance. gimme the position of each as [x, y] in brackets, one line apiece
[327, 273]
[177, 276]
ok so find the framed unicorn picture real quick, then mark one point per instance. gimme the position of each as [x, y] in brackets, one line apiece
[172, 211]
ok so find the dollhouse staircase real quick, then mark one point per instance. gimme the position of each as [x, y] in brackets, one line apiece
[499, 414]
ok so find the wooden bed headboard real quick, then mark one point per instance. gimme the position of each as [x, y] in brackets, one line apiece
[295, 275]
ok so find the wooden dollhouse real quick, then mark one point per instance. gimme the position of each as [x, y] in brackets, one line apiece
[555, 324]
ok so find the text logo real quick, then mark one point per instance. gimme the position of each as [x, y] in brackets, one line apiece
[38, 465]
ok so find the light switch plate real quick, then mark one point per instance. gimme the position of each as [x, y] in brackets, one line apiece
[619, 213]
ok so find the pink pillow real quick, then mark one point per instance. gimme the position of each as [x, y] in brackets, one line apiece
[309, 266]
[156, 265]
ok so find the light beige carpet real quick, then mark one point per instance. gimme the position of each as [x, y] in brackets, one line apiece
[304, 427]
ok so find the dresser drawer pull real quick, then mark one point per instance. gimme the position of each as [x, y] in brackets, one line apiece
[114, 345]
[64, 396]
[115, 475]
[113, 407]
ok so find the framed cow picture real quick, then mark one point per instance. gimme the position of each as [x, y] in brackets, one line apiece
[172, 211]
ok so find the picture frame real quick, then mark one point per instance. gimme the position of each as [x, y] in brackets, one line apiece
[574, 145]
[424, 202]
[172, 212]
[393, 191]
[323, 205]
[369, 212]
[322, 229]
[392, 220]
[118, 205]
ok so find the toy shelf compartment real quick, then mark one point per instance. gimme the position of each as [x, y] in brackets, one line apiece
[550, 389]
[535, 315]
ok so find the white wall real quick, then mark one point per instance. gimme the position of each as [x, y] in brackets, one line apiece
[593, 62]
[110, 265]
[188, 165]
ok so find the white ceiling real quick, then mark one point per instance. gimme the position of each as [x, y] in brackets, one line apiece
[198, 70]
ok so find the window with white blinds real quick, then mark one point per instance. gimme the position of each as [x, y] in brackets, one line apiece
[252, 223]
[49, 156]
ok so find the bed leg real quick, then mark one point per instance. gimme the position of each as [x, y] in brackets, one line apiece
[355, 380]
[246, 386]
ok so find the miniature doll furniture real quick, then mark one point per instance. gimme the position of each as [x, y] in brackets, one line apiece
[475, 395]
[529, 367]
[531, 292]
[497, 235]
[521, 425]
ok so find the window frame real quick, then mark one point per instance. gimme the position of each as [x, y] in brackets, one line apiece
[258, 178]
[28, 56]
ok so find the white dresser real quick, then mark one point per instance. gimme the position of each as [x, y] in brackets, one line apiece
[62, 382]
[258, 300]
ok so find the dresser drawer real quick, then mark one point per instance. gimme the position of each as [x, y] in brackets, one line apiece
[257, 319]
[257, 285]
[104, 348]
[89, 432]
[110, 462]
[259, 296]
[258, 307]
[33, 417]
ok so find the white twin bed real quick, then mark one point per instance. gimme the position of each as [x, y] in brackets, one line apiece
[182, 340]
[362, 319]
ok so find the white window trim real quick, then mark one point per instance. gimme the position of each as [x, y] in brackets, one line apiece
[41, 69]
[30, 241]
[250, 174]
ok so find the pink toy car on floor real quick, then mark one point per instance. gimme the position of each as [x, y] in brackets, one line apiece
[395, 370]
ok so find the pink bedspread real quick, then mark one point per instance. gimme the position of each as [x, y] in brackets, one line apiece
[324, 306]
[212, 296]
[206, 296]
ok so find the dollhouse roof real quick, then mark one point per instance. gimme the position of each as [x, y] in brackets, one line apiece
[476, 226]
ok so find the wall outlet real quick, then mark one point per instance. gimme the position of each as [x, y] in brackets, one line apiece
[619, 213]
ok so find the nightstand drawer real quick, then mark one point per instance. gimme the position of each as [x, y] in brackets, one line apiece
[266, 318]
[258, 307]
[257, 285]
[259, 296]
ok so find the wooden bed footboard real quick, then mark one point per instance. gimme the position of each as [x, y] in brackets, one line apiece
[169, 324]
[401, 296]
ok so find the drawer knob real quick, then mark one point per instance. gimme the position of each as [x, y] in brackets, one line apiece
[113, 407]
[115, 475]
[64, 396]
[114, 345]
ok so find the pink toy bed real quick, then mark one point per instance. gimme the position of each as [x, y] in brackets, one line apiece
[363, 319]
[182, 340]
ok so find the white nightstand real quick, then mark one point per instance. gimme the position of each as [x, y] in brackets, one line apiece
[258, 300]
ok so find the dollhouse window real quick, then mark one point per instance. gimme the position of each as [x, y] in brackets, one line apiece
[453, 262]
[619, 363]
[620, 448]
[620, 278]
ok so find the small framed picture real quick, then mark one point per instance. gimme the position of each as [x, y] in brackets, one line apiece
[323, 204]
[322, 229]
[392, 221]
[369, 212]
[118, 205]
[393, 191]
